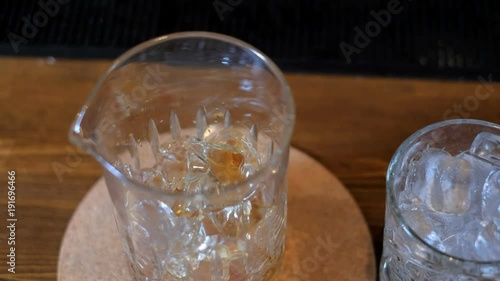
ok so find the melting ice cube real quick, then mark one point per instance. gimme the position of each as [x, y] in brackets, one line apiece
[233, 221]
[491, 198]
[442, 181]
[487, 243]
[487, 146]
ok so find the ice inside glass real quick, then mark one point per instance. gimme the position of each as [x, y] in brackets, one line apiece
[453, 201]
[443, 207]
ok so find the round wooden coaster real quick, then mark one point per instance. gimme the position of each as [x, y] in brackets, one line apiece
[327, 237]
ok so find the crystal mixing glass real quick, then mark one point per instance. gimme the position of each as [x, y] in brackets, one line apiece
[193, 131]
[443, 205]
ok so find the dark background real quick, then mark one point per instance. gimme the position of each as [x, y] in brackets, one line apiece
[452, 39]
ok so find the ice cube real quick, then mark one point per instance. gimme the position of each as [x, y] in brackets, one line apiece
[491, 198]
[184, 254]
[197, 170]
[174, 150]
[408, 200]
[197, 167]
[141, 245]
[450, 185]
[232, 221]
[441, 181]
[420, 222]
[460, 242]
[487, 146]
[446, 224]
[480, 170]
[196, 145]
[206, 247]
[220, 263]
[416, 182]
[175, 172]
[225, 165]
[177, 266]
[153, 178]
[209, 185]
[487, 244]
[239, 140]
[441, 230]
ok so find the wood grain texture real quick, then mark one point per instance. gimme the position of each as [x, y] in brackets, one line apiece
[352, 125]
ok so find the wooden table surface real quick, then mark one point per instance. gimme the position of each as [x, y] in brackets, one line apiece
[350, 124]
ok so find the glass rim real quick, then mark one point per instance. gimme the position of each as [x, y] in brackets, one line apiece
[75, 133]
[392, 196]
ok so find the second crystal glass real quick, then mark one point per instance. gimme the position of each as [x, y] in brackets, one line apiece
[193, 130]
[442, 216]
